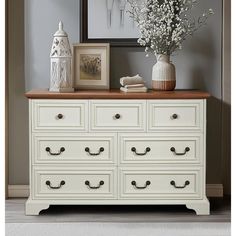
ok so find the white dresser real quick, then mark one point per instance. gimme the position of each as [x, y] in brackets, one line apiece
[100, 147]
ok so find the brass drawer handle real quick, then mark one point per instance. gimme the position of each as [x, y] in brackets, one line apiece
[48, 183]
[48, 149]
[148, 149]
[94, 187]
[101, 149]
[117, 116]
[138, 187]
[187, 149]
[60, 116]
[174, 116]
[185, 184]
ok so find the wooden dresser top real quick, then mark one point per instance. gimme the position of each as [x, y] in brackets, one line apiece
[117, 94]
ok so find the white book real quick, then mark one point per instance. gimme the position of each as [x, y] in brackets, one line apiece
[134, 86]
[134, 90]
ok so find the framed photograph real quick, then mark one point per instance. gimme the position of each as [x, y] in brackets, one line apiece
[91, 65]
[108, 21]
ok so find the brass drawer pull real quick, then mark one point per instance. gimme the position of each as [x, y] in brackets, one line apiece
[148, 149]
[94, 187]
[48, 183]
[137, 187]
[60, 116]
[48, 149]
[101, 149]
[174, 116]
[187, 149]
[185, 184]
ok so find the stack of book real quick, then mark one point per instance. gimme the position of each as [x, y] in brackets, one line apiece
[133, 84]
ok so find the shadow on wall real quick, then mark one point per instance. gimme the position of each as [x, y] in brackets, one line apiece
[203, 45]
[203, 60]
[213, 141]
[226, 152]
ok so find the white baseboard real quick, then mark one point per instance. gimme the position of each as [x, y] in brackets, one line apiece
[22, 191]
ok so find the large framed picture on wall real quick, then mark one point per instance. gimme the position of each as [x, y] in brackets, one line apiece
[107, 21]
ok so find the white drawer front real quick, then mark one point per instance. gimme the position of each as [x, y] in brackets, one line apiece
[59, 115]
[118, 115]
[176, 115]
[87, 148]
[68, 183]
[165, 149]
[161, 184]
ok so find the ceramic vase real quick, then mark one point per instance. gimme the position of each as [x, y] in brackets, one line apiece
[163, 74]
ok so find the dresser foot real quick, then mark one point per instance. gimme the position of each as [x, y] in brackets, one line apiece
[201, 207]
[32, 208]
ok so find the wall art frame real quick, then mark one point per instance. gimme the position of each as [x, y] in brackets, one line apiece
[91, 66]
[84, 31]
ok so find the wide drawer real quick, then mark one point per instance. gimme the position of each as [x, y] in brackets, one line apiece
[68, 183]
[83, 148]
[59, 115]
[187, 115]
[117, 115]
[161, 148]
[161, 183]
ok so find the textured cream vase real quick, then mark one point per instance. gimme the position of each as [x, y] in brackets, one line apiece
[163, 74]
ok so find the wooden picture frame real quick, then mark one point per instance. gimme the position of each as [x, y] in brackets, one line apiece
[84, 37]
[91, 65]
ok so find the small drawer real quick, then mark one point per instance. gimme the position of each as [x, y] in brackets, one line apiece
[117, 115]
[59, 115]
[74, 183]
[83, 148]
[161, 183]
[187, 115]
[161, 148]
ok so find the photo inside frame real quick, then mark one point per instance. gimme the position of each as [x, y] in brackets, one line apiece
[90, 67]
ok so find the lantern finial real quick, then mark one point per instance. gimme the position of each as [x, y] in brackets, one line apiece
[60, 32]
[61, 26]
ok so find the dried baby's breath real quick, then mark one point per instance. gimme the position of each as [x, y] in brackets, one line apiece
[165, 24]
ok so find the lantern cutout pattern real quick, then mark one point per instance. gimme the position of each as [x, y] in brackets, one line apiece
[61, 62]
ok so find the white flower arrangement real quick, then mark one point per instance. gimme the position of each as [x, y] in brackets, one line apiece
[165, 24]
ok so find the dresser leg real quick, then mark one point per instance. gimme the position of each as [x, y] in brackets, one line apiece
[201, 207]
[33, 208]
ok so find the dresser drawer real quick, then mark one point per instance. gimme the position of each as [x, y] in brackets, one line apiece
[161, 183]
[68, 183]
[176, 115]
[117, 115]
[83, 148]
[59, 115]
[161, 148]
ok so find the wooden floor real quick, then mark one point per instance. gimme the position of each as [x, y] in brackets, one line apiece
[220, 212]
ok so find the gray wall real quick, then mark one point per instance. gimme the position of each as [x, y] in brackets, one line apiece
[41, 22]
[198, 67]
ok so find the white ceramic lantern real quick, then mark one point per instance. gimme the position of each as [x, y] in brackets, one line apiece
[61, 62]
